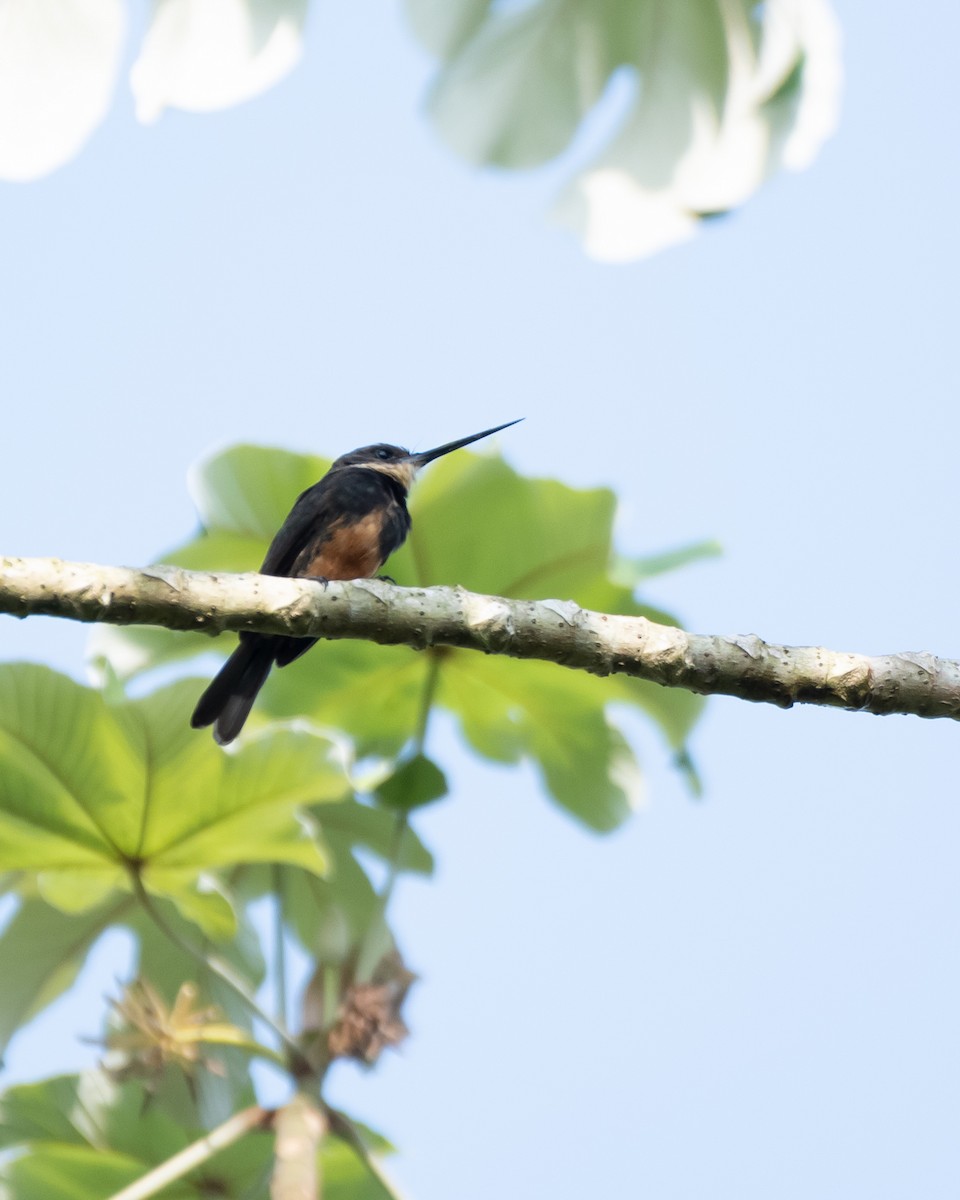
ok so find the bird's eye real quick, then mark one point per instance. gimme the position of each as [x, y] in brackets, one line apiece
[383, 452]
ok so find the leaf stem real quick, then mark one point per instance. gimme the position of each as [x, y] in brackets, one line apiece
[426, 700]
[365, 968]
[419, 741]
[279, 945]
[223, 971]
[192, 1156]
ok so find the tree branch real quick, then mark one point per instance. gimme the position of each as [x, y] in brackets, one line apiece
[554, 630]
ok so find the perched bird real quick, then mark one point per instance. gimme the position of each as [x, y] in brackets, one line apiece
[344, 527]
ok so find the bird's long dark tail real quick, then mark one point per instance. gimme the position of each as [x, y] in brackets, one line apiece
[227, 701]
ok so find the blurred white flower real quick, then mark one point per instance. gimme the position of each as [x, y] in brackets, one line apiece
[203, 55]
[58, 65]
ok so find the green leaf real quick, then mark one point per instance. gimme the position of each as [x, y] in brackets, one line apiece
[346, 1176]
[220, 488]
[688, 769]
[444, 26]
[76, 1173]
[213, 1096]
[370, 827]
[416, 782]
[86, 1137]
[556, 718]
[90, 791]
[329, 917]
[46, 1112]
[519, 88]
[332, 915]
[692, 105]
[201, 899]
[83, 1136]
[517, 84]
[633, 571]
[123, 652]
[41, 953]
[370, 692]
[478, 523]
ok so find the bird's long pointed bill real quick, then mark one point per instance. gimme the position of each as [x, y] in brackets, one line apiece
[426, 456]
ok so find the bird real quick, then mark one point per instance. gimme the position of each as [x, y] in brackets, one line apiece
[344, 527]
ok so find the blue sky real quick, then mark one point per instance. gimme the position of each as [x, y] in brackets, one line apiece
[746, 996]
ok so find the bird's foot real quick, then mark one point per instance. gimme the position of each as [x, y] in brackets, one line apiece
[387, 579]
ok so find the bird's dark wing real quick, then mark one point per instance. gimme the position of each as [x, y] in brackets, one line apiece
[350, 521]
[306, 521]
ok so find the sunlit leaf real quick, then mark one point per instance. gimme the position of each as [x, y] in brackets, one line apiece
[478, 523]
[86, 1137]
[212, 55]
[226, 504]
[373, 829]
[517, 91]
[633, 571]
[58, 67]
[213, 1096]
[346, 1176]
[443, 26]
[371, 692]
[82, 1137]
[50, 1111]
[122, 652]
[701, 102]
[90, 792]
[41, 952]
[416, 782]
[329, 916]
[75, 1173]
[553, 716]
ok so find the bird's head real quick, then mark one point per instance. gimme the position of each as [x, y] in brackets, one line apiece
[401, 464]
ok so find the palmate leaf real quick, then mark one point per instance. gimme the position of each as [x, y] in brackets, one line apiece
[477, 523]
[699, 101]
[634, 571]
[416, 782]
[41, 952]
[91, 793]
[84, 1137]
[78, 1136]
[42, 949]
[331, 916]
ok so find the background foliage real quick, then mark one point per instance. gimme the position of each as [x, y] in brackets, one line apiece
[314, 270]
[114, 812]
[709, 97]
